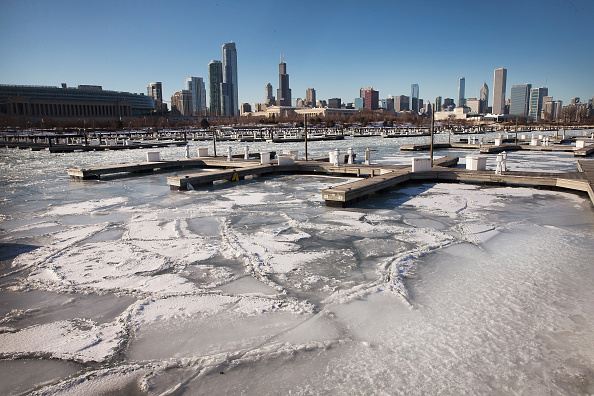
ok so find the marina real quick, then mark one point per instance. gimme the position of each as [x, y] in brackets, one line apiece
[373, 178]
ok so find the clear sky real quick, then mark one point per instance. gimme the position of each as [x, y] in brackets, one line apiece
[336, 47]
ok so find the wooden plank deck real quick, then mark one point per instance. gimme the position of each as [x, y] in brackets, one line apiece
[372, 178]
[350, 193]
[198, 162]
[587, 167]
[493, 149]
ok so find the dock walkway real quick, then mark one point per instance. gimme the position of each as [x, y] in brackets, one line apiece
[492, 149]
[370, 178]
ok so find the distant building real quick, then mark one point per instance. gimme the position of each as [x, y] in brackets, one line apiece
[428, 108]
[245, 108]
[575, 101]
[283, 94]
[536, 97]
[558, 110]
[390, 103]
[499, 82]
[181, 103]
[448, 102]
[155, 91]
[334, 103]
[295, 101]
[461, 93]
[310, 97]
[215, 79]
[359, 103]
[321, 103]
[520, 99]
[196, 86]
[36, 102]
[484, 96]
[259, 107]
[401, 103]
[414, 98]
[547, 108]
[438, 103]
[362, 91]
[301, 103]
[371, 99]
[269, 95]
[475, 105]
[229, 91]
[420, 103]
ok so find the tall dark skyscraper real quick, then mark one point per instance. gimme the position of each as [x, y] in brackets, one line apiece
[283, 93]
[215, 80]
[229, 97]
[461, 92]
[414, 98]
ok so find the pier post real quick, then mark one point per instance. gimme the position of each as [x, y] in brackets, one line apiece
[305, 133]
[367, 156]
[246, 155]
[350, 152]
[229, 155]
[431, 148]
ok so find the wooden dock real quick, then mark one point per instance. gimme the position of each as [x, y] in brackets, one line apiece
[493, 149]
[70, 148]
[96, 172]
[370, 178]
[347, 194]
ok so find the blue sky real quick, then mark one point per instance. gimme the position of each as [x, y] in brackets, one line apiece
[336, 47]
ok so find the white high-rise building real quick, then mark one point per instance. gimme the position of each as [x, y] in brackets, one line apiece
[499, 82]
[461, 93]
[198, 89]
[484, 97]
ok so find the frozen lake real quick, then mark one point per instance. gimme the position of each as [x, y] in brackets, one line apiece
[123, 286]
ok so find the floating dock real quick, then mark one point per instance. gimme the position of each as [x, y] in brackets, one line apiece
[493, 149]
[371, 178]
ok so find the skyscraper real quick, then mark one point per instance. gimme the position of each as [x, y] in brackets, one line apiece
[155, 91]
[535, 106]
[371, 99]
[283, 93]
[499, 91]
[461, 89]
[401, 103]
[215, 80]
[196, 86]
[310, 97]
[520, 98]
[269, 95]
[229, 97]
[438, 103]
[414, 98]
[484, 96]
[181, 102]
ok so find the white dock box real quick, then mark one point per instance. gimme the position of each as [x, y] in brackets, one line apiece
[202, 151]
[293, 153]
[264, 157]
[285, 159]
[422, 164]
[476, 162]
[153, 156]
[536, 142]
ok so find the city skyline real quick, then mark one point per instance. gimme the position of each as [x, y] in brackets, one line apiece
[98, 46]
